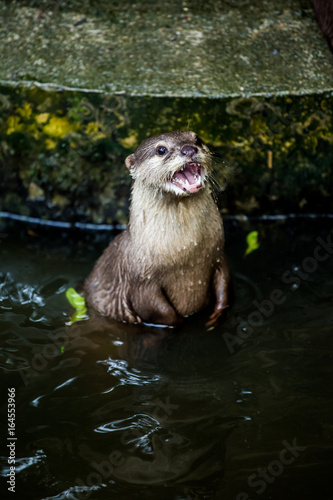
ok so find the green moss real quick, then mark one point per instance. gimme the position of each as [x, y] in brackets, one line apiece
[71, 147]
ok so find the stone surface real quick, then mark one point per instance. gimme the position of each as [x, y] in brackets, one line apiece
[172, 48]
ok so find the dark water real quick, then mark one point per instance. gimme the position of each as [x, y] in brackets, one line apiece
[106, 410]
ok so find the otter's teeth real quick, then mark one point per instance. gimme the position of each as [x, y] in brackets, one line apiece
[188, 177]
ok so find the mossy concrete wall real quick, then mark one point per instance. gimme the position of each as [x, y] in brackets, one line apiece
[83, 85]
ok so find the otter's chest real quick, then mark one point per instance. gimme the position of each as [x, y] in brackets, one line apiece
[188, 284]
[177, 246]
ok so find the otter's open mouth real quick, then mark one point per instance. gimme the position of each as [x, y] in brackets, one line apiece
[188, 178]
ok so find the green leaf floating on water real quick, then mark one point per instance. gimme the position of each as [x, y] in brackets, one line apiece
[78, 302]
[252, 242]
[75, 300]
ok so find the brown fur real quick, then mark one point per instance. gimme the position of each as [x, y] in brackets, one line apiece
[170, 260]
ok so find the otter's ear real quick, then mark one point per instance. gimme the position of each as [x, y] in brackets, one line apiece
[129, 162]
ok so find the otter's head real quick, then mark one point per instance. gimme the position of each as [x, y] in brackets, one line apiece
[177, 162]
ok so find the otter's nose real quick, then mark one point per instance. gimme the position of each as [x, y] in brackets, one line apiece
[188, 151]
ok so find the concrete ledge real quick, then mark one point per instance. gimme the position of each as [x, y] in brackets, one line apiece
[176, 49]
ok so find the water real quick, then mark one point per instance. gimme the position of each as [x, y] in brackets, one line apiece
[107, 410]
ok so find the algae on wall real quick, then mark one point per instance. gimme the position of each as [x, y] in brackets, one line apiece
[62, 153]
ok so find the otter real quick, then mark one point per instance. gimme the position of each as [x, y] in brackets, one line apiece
[169, 262]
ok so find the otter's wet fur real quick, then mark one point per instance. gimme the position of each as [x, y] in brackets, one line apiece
[170, 261]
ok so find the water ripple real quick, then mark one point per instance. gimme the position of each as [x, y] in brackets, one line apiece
[129, 376]
[25, 462]
[140, 420]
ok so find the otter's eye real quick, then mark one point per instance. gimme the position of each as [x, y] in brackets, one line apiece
[161, 150]
[198, 141]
